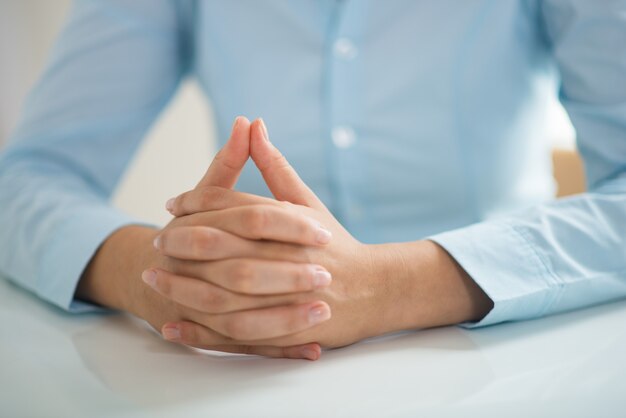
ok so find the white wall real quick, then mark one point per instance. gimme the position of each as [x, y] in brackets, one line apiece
[27, 30]
[165, 167]
[162, 168]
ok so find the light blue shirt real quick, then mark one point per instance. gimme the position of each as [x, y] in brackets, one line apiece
[410, 119]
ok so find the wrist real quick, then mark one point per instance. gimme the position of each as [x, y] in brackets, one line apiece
[423, 286]
[113, 276]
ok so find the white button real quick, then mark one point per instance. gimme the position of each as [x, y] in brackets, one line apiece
[343, 136]
[344, 48]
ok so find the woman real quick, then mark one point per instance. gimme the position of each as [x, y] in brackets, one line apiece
[417, 125]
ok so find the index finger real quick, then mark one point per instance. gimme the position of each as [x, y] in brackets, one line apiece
[229, 161]
[208, 198]
[266, 222]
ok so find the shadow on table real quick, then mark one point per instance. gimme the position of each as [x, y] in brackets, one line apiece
[563, 322]
[132, 360]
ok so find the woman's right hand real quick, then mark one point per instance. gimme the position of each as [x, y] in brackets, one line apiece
[234, 272]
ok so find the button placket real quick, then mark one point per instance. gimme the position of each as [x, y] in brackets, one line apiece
[344, 110]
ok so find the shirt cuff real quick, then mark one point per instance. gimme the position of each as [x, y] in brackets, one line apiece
[68, 253]
[506, 266]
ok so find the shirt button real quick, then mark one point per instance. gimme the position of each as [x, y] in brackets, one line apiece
[343, 137]
[344, 48]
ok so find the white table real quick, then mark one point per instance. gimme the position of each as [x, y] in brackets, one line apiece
[56, 364]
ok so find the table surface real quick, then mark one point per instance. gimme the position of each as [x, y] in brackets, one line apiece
[56, 364]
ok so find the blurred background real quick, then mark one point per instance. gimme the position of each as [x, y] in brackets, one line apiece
[28, 29]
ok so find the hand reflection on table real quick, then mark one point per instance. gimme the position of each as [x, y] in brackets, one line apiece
[447, 366]
[564, 363]
[133, 360]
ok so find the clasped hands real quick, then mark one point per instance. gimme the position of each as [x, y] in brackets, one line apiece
[250, 274]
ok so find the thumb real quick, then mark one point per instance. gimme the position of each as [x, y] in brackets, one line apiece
[279, 175]
[229, 161]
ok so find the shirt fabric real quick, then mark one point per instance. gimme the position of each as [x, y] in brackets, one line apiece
[409, 119]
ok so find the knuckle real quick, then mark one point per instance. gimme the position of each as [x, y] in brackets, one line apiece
[296, 320]
[241, 276]
[280, 162]
[183, 217]
[165, 285]
[182, 202]
[162, 240]
[214, 300]
[219, 154]
[285, 204]
[301, 278]
[299, 225]
[228, 161]
[206, 197]
[203, 241]
[179, 310]
[256, 219]
[235, 328]
[210, 194]
[291, 252]
[303, 227]
[174, 265]
[302, 254]
[188, 333]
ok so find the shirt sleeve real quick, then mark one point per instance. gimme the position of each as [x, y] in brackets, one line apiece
[568, 253]
[115, 66]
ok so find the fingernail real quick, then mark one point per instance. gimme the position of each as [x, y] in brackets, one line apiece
[309, 353]
[322, 235]
[169, 205]
[321, 278]
[266, 136]
[319, 313]
[157, 242]
[171, 333]
[237, 119]
[149, 277]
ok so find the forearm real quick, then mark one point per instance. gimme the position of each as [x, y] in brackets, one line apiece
[427, 288]
[113, 276]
